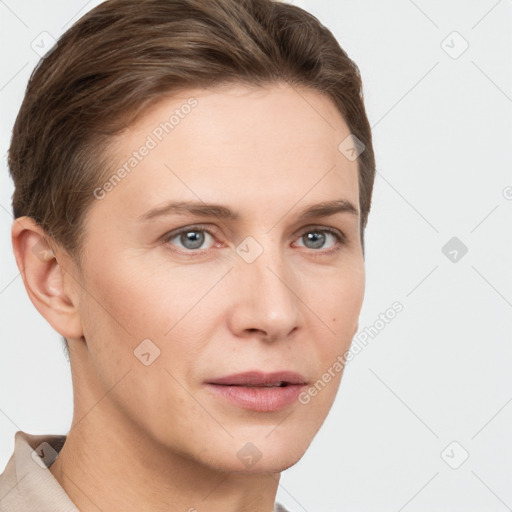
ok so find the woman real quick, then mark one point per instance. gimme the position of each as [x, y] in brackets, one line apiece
[192, 184]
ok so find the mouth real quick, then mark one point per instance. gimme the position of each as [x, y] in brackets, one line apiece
[261, 379]
[258, 391]
[274, 385]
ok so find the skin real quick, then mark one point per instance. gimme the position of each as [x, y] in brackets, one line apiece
[152, 437]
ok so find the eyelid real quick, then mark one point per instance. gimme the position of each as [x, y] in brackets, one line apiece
[319, 227]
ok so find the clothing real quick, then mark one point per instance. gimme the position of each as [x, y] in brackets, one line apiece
[27, 485]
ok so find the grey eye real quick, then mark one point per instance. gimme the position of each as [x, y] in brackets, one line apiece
[315, 239]
[190, 238]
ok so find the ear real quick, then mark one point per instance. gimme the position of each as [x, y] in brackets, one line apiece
[48, 277]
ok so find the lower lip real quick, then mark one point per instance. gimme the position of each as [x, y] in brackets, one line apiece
[259, 399]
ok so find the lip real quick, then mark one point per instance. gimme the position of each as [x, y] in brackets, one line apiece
[252, 390]
[257, 378]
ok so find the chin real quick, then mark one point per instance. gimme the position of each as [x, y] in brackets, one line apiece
[261, 455]
[274, 464]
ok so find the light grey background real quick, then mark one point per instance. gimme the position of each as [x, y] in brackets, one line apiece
[440, 371]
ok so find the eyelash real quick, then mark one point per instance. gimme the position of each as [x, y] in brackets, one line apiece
[338, 235]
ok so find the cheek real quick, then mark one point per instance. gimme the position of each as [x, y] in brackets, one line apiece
[141, 298]
[120, 311]
[125, 304]
[135, 300]
[338, 304]
[339, 299]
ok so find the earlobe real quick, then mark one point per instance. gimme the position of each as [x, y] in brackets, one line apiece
[45, 277]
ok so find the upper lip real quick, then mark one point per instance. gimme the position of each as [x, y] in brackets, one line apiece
[257, 378]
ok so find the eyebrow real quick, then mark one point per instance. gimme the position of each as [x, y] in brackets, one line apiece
[324, 209]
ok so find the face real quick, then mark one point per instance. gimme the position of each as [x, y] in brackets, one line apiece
[175, 297]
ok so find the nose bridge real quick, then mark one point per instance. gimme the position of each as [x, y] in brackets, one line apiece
[267, 287]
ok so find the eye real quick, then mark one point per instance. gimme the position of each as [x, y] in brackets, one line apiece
[315, 238]
[191, 237]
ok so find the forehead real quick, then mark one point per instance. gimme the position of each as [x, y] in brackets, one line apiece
[234, 143]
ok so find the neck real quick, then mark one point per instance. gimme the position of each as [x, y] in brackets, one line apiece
[114, 469]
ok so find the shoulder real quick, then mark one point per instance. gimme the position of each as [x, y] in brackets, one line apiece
[26, 482]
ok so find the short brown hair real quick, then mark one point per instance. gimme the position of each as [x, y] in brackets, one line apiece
[124, 54]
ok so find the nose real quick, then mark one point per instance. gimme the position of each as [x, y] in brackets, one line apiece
[265, 300]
